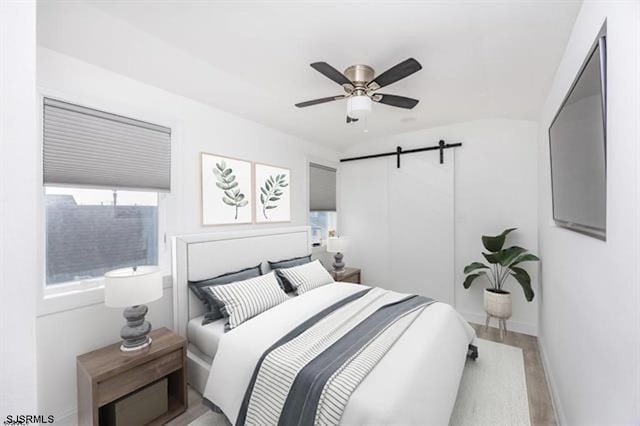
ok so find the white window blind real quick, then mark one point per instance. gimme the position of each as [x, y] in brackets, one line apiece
[322, 188]
[84, 147]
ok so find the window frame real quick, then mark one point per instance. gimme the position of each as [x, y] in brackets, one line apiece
[81, 289]
[78, 294]
[333, 164]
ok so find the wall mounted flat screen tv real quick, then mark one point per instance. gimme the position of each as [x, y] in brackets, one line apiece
[577, 139]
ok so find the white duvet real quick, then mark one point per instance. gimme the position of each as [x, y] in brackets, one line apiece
[415, 383]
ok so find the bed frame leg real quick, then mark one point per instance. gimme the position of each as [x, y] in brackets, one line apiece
[472, 352]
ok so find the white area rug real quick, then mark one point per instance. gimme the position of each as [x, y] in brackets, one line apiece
[493, 391]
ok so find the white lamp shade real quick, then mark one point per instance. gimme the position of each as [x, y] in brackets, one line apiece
[337, 244]
[129, 287]
[358, 106]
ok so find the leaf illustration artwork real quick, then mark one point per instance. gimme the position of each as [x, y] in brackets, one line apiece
[271, 192]
[227, 183]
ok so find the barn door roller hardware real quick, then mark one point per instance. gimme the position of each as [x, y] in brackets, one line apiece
[398, 152]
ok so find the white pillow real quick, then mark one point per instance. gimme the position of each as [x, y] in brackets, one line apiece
[243, 300]
[306, 277]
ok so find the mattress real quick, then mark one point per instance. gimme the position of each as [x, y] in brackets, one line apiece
[205, 338]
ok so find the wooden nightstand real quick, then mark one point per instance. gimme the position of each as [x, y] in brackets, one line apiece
[108, 374]
[348, 275]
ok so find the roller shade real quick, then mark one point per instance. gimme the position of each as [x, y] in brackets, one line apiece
[322, 188]
[90, 148]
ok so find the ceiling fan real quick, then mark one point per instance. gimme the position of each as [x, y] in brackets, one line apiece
[361, 87]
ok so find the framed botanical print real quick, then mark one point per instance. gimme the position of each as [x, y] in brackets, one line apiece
[226, 190]
[273, 193]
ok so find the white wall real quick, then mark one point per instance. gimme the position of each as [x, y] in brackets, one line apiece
[18, 156]
[495, 188]
[196, 128]
[589, 309]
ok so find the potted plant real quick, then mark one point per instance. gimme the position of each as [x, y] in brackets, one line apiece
[503, 263]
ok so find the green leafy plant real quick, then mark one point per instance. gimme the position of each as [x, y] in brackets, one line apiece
[271, 192]
[228, 184]
[504, 263]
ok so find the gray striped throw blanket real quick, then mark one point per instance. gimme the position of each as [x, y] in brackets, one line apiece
[307, 377]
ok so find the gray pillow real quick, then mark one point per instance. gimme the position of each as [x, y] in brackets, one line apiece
[199, 288]
[288, 263]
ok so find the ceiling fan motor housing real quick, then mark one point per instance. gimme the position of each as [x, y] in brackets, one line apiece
[359, 74]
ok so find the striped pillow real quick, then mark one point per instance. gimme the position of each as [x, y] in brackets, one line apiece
[199, 288]
[306, 277]
[243, 300]
[288, 263]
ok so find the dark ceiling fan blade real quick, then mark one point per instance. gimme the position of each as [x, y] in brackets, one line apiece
[395, 73]
[320, 101]
[351, 120]
[330, 72]
[397, 101]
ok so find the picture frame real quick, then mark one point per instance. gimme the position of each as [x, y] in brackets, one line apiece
[226, 190]
[272, 186]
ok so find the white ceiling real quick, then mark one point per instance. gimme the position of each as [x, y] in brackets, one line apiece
[480, 59]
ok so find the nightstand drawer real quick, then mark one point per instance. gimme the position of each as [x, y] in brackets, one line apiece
[123, 384]
[355, 279]
[347, 275]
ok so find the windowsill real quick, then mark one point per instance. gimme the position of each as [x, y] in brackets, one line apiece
[71, 296]
[319, 250]
[71, 288]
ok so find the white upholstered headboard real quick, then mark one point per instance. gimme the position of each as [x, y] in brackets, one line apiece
[201, 256]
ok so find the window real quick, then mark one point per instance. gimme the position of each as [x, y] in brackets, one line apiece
[322, 203]
[92, 231]
[102, 174]
[323, 225]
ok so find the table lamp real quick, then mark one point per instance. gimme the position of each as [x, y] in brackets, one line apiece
[337, 245]
[131, 288]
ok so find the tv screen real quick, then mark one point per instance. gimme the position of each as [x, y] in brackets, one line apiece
[577, 139]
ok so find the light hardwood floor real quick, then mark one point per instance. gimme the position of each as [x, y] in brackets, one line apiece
[195, 410]
[540, 406]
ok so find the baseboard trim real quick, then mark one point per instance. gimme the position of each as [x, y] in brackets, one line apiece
[551, 383]
[520, 327]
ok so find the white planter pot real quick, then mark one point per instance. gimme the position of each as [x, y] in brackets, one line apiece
[497, 305]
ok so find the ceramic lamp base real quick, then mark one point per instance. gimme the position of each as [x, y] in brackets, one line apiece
[338, 264]
[135, 334]
[124, 348]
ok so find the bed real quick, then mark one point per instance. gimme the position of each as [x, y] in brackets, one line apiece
[413, 381]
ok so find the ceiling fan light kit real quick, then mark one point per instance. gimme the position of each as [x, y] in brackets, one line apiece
[360, 85]
[358, 106]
